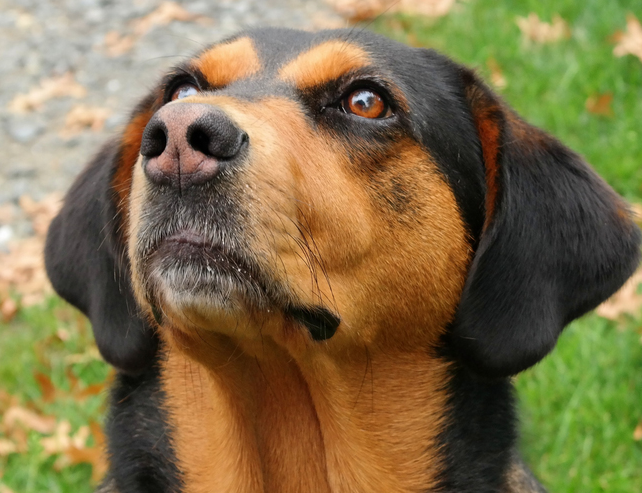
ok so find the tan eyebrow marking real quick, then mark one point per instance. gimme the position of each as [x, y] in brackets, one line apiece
[228, 62]
[324, 63]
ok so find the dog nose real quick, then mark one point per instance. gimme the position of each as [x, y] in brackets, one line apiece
[186, 144]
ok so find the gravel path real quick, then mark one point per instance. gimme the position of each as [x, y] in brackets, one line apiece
[111, 52]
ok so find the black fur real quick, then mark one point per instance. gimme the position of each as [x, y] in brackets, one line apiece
[558, 242]
[140, 450]
[88, 267]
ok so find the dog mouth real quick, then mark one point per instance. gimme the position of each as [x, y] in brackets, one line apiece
[190, 264]
[193, 249]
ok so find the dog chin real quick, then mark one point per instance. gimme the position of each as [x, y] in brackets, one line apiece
[193, 297]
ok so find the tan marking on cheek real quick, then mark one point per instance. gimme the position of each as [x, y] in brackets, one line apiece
[324, 63]
[136, 201]
[130, 149]
[229, 62]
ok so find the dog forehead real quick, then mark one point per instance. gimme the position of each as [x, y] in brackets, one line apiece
[300, 58]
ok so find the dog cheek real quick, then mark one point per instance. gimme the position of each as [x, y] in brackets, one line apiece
[137, 199]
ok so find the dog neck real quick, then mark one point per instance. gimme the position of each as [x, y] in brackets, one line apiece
[366, 420]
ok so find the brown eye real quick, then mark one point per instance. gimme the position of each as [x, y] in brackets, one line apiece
[366, 104]
[184, 91]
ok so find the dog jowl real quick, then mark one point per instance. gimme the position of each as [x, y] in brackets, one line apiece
[317, 258]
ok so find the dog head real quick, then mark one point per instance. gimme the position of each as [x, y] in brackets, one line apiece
[336, 187]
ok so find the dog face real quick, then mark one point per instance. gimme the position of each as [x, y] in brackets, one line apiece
[338, 187]
[295, 194]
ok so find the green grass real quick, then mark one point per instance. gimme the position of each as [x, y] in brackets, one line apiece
[31, 344]
[579, 407]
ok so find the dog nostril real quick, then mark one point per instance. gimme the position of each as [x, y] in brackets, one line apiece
[200, 141]
[154, 141]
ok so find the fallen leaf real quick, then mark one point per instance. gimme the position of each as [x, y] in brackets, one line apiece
[637, 433]
[63, 334]
[600, 104]
[8, 309]
[630, 41]
[62, 438]
[361, 10]
[7, 447]
[91, 354]
[22, 268]
[90, 390]
[55, 87]
[82, 117]
[19, 416]
[163, 15]
[46, 386]
[116, 44]
[7, 213]
[626, 300]
[496, 74]
[535, 30]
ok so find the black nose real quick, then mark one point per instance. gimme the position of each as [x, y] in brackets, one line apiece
[186, 144]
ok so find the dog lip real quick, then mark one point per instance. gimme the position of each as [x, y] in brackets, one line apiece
[189, 238]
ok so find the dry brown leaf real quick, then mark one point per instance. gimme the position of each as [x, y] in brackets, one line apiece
[90, 390]
[535, 30]
[496, 74]
[7, 213]
[163, 15]
[361, 10]
[626, 300]
[8, 309]
[41, 213]
[7, 447]
[22, 268]
[637, 433]
[62, 439]
[600, 104]
[630, 41]
[55, 87]
[117, 44]
[17, 416]
[82, 117]
[46, 386]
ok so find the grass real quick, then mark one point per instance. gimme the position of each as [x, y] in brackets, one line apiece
[43, 340]
[579, 407]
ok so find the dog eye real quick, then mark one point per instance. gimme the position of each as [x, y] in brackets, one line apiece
[366, 104]
[184, 91]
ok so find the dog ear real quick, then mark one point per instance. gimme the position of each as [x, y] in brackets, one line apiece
[556, 242]
[85, 253]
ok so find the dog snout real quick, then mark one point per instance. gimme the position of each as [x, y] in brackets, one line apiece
[188, 144]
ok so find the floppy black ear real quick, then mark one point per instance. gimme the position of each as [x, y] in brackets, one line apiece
[556, 241]
[86, 260]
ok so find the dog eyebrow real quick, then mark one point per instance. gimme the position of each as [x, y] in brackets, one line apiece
[324, 63]
[229, 62]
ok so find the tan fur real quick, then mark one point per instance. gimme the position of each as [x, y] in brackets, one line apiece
[324, 63]
[255, 404]
[228, 62]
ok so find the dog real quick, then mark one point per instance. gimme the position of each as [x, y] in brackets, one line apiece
[316, 261]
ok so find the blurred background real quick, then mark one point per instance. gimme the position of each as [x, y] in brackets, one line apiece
[71, 70]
